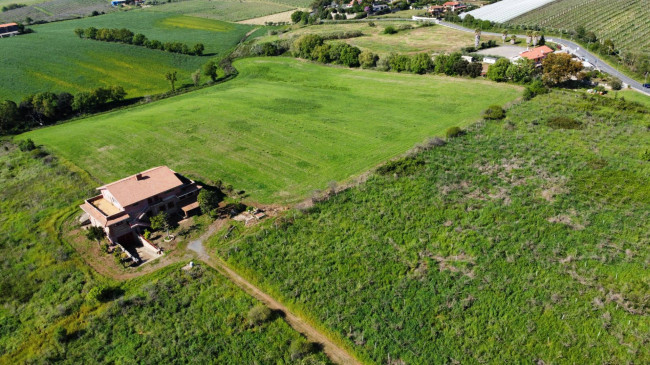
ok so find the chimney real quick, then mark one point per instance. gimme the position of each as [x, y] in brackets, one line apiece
[138, 176]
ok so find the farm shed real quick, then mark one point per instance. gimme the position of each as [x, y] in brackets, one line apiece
[8, 30]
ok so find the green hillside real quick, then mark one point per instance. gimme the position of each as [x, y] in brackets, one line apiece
[280, 130]
[72, 64]
[229, 10]
[520, 242]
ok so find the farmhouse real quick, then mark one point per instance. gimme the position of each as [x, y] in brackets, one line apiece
[453, 6]
[537, 54]
[436, 10]
[123, 207]
[8, 30]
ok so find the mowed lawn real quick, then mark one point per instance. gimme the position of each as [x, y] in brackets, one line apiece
[282, 129]
[54, 59]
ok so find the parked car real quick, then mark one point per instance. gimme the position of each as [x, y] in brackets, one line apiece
[647, 86]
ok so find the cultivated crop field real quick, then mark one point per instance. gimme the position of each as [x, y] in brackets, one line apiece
[626, 22]
[520, 242]
[74, 64]
[433, 39]
[53, 10]
[279, 130]
[229, 10]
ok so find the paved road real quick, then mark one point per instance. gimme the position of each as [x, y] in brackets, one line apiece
[576, 49]
[336, 353]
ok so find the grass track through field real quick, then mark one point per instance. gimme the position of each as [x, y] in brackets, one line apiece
[281, 129]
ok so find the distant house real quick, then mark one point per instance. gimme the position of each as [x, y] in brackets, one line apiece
[489, 60]
[454, 6]
[436, 10]
[468, 58]
[118, 2]
[8, 30]
[123, 207]
[537, 54]
[379, 7]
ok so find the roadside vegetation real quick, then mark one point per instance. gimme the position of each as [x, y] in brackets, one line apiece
[523, 240]
[314, 130]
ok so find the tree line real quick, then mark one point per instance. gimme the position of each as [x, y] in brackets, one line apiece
[46, 108]
[126, 36]
[313, 47]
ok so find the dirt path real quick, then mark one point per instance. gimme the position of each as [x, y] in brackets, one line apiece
[335, 352]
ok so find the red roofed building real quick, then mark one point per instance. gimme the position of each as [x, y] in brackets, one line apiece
[125, 205]
[8, 30]
[453, 5]
[537, 54]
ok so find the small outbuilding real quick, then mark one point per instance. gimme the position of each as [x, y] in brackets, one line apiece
[9, 29]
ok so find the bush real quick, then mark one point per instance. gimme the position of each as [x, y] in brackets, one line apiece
[390, 30]
[616, 84]
[300, 348]
[367, 59]
[494, 112]
[454, 132]
[402, 167]
[26, 145]
[564, 123]
[60, 334]
[535, 88]
[258, 314]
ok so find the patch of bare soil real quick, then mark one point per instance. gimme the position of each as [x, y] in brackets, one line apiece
[273, 18]
[444, 263]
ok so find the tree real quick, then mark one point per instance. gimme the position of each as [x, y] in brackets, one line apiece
[296, 16]
[117, 93]
[139, 39]
[300, 348]
[349, 55]
[521, 70]
[160, 221]
[305, 44]
[504, 36]
[535, 88]
[45, 106]
[616, 84]
[558, 67]
[474, 69]
[542, 40]
[90, 32]
[172, 78]
[196, 77]
[198, 49]
[477, 37]
[498, 71]
[535, 38]
[208, 200]
[368, 59]
[529, 37]
[79, 32]
[95, 234]
[421, 63]
[84, 102]
[210, 70]
[9, 116]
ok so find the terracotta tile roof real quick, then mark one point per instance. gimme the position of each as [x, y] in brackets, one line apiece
[8, 25]
[537, 53]
[143, 185]
[451, 3]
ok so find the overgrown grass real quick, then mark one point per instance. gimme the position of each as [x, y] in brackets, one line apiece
[72, 64]
[48, 315]
[229, 10]
[515, 243]
[280, 130]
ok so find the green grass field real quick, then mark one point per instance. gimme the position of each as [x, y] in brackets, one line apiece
[281, 129]
[72, 64]
[229, 10]
[517, 243]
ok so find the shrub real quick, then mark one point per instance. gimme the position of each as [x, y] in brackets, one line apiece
[616, 84]
[300, 348]
[390, 30]
[402, 167]
[372, 24]
[160, 221]
[564, 123]
[494, 112]
[60, 334]
[367, 59]
[26, 145]
[454, 132]
[258, 314]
